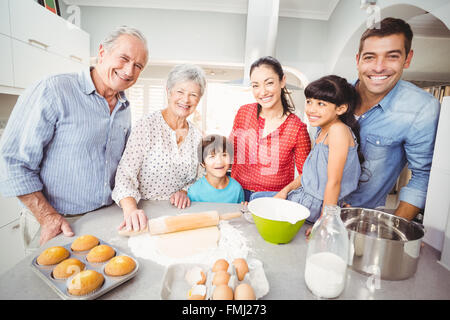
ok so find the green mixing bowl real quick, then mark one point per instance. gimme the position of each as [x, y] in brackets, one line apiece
[277, 220]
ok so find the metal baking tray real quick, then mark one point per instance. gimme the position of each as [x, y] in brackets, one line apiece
[175, 287]
[60, 285]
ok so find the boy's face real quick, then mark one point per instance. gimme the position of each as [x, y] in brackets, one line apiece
[217, 164]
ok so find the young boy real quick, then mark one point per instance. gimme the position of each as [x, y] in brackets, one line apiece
[216, 186]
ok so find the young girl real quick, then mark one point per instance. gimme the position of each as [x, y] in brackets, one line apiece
[216, 186]
[332, 169]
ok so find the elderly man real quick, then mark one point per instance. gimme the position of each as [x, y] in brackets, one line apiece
[398, 120]
[62, 144]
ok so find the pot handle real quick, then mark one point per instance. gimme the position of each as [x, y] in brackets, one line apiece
[421, 226]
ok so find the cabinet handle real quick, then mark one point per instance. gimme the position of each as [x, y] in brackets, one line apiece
[31, 41]
[76, 58]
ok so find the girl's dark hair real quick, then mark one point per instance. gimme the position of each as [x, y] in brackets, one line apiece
[288, 107]
[213, 144]
[337, 90]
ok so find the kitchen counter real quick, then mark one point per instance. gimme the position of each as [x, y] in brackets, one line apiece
[283, 264]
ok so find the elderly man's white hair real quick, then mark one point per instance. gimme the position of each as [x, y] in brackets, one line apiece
[108, 42]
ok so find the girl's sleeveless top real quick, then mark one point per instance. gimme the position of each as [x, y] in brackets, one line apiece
[315, 176]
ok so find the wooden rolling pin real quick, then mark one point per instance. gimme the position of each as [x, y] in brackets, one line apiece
[187, 221]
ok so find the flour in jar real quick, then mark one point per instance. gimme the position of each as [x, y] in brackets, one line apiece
[325, 274]
[232, 244]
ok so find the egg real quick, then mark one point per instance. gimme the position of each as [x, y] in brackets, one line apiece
[244, 292]
[195, 276]
[221, 277]
[220, 264]
[223, 292]
[241, 267]
[197, 292]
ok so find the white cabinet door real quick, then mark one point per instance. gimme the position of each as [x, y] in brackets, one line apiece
[6, 62]
[33, 24]
[32, 64]
[74, 43]
[4, 18]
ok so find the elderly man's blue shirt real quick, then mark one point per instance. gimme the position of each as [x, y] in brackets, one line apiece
[61, 139]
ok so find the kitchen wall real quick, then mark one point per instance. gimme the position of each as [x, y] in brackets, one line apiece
[210, 36]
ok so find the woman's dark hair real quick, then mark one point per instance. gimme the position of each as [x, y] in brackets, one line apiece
[338, 91]
[213, 144]
[288, 107]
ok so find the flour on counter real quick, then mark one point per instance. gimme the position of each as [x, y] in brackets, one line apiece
[232, 244]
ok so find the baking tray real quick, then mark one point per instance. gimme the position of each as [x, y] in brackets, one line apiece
[60, 285]
[175, 287]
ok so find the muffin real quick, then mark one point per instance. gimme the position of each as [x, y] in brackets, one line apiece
[119, 266]
[67, 268]
[100, 253]
[84, 243]
[52, 255]
[85, 282]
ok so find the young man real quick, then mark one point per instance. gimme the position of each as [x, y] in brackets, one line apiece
[65, 137]
[398, 120]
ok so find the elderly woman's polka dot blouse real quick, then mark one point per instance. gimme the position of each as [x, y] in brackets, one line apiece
[153, 166]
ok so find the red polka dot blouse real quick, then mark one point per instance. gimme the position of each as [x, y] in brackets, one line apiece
[267, 163]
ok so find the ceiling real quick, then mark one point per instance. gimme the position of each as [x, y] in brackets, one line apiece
[306, 9]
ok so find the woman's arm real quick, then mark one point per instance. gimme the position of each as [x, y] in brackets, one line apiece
[295, 184]
[302, 149]
[133, 218]
[126, 191]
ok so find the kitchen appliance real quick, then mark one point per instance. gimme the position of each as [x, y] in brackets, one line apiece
[382, 244]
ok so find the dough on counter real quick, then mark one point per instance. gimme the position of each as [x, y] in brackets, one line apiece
[188, 243]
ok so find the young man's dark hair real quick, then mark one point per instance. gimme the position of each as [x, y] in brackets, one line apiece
[389, 26]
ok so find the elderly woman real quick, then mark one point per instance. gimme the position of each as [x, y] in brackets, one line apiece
[160, 159]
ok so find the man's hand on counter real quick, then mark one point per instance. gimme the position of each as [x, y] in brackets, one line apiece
[52, 225]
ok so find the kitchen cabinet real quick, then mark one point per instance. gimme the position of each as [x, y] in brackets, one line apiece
[40, 43]
[6, 75]
[437, 204]
[27, 71]
[4, 18]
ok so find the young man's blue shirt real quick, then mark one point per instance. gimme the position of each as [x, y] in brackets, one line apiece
[400, 130]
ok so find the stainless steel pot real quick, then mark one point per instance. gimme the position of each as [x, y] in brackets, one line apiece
[382, 244]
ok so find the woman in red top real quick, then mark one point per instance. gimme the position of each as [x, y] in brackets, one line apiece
[269, 139]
